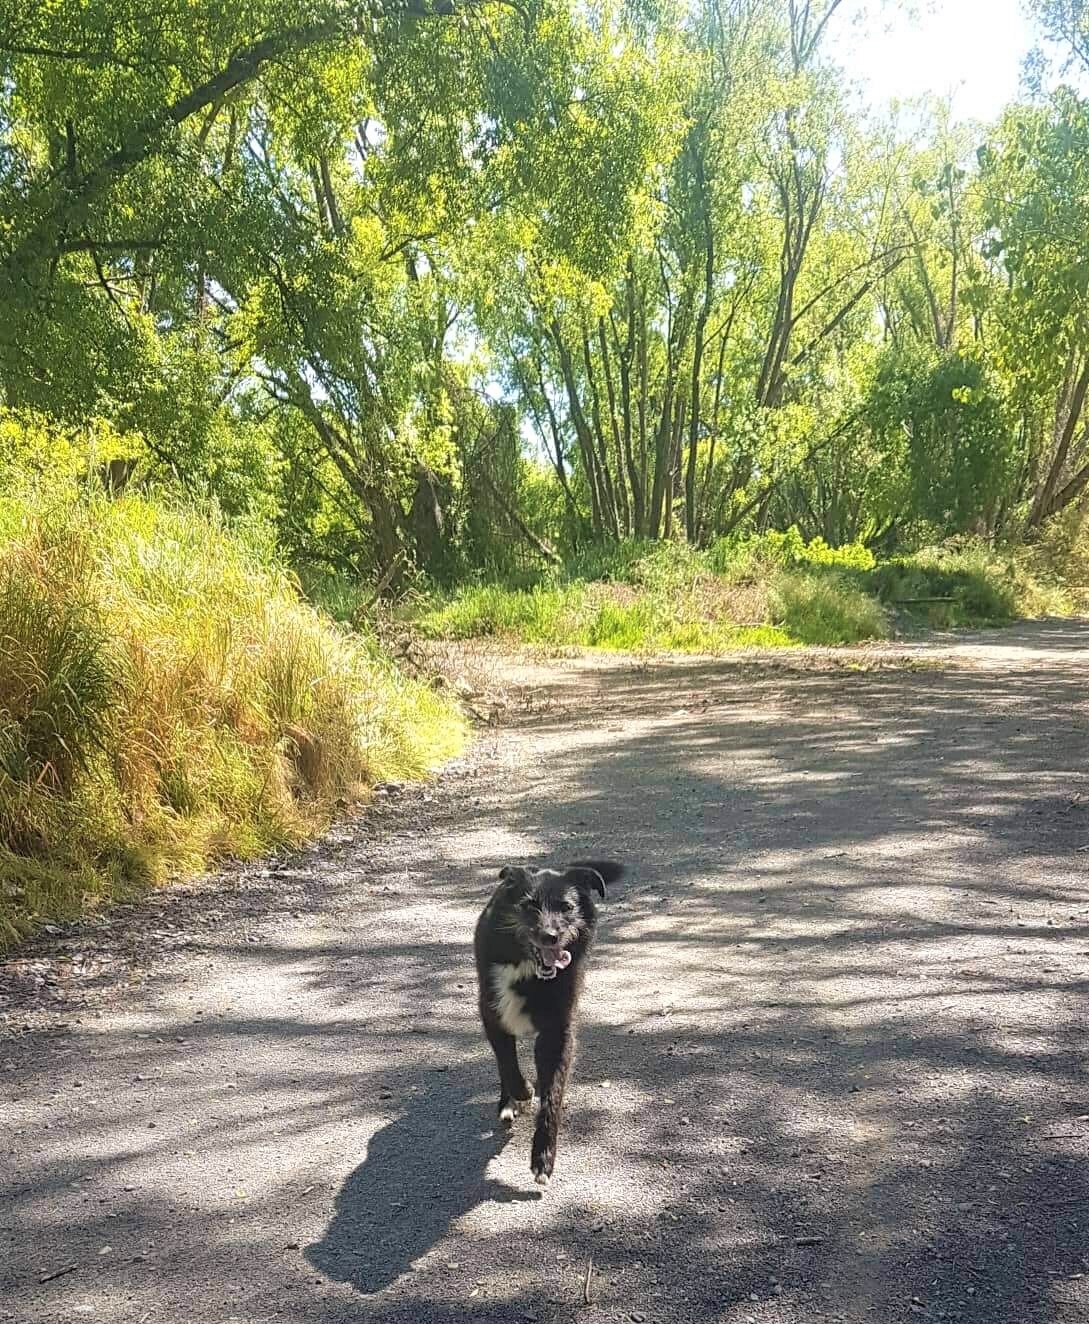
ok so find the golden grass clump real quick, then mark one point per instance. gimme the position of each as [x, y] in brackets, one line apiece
[167, 699]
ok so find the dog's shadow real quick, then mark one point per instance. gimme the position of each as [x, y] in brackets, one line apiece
[423, 1170]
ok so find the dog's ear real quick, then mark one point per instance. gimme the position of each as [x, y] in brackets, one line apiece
[586, 876]
[513, 876]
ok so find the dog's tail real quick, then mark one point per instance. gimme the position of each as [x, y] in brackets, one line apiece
[611, 871]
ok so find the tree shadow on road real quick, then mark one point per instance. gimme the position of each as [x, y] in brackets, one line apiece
[833, 1059]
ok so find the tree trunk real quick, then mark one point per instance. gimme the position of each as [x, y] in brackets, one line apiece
[649, 530]
[1068, 414]
[582, 430]
[608, 492]
[610, 386]
[663, 445]
[691, 520]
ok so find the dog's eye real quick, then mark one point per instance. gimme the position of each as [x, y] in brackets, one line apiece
[567, 907]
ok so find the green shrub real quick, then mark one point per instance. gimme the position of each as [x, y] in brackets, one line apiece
[762, 553]
[655, 565]
[826, 608]
[669, 597]
[607, 563]
[851, 556]
[966, 585]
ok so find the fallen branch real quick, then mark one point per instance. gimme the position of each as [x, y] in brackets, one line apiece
[539, 545]
[385, 581]
[58, 1273]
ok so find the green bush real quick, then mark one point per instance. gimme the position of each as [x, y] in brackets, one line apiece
[826, 608]
[966, 585]
[670, 597]
[775, 550]
[633, 561]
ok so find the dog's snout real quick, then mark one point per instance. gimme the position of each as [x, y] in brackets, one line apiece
[549, 932]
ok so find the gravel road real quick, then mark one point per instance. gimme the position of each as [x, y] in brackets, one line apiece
[833, 1056]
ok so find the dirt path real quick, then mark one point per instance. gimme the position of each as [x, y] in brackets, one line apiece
[834, 1051]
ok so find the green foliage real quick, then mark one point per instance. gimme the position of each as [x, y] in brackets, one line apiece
[538, 615]
[591, 615]
[968, 585]
[36, 452]
[348, 295]
[775, 550]
[826, 609]
[166, 699]
[774, 591]
[62, 675]
[651, 625]
[940, 417]
[662, 567]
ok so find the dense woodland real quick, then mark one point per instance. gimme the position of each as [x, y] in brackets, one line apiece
[433, 285]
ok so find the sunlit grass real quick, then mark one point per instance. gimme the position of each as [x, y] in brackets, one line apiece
[168, 699]
[774, 591]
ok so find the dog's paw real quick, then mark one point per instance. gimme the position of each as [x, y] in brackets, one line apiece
[541, 1163]
[511, 1107]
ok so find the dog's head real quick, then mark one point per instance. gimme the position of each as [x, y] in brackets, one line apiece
[549, 910]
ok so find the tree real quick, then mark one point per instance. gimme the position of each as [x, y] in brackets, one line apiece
[284, 183]
[1036, 180]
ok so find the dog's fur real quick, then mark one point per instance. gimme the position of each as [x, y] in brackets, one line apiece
[531, 946]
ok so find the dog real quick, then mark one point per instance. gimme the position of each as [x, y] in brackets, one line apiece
[531, 945]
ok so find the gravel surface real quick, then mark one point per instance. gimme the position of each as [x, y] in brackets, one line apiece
[833, 1062]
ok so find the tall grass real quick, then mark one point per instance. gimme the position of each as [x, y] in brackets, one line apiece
[826, 609]
[538, 615]
[771, 590]
[168, 699]
[591, 616]
[968, 585]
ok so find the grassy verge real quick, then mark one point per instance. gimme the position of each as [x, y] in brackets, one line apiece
[167, 699]
[775, 591]
[588, 616]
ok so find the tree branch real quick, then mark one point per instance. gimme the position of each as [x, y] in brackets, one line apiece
[143, 140]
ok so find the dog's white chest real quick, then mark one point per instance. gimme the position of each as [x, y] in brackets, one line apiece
[510, 1006]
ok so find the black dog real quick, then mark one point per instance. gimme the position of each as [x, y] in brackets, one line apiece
[531, 944]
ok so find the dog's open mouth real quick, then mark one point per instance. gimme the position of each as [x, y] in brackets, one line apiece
[550, 961]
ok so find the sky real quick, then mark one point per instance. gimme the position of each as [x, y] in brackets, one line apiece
[969, 49]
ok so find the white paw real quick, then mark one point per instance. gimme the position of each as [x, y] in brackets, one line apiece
[543, 1179]
[508, 1113]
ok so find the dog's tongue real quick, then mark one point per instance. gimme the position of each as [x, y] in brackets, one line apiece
[555, 958]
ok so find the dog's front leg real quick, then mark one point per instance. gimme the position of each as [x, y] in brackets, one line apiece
[513, 1089]
[555, 1053]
